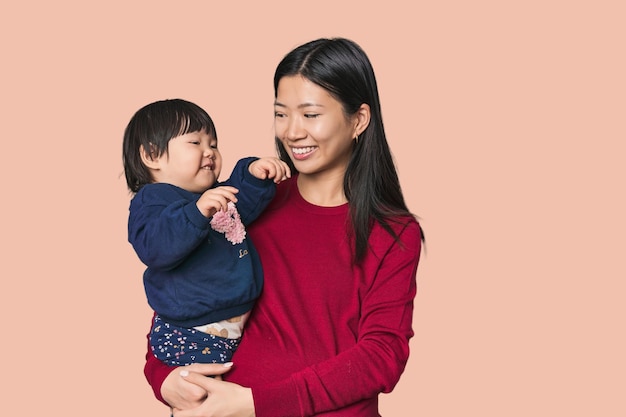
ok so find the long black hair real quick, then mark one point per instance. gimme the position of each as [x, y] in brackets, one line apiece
[152, 127]
[371, 182]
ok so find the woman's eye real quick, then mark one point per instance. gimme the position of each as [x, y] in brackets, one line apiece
[311, 115]
[195, 143]
[277, 114]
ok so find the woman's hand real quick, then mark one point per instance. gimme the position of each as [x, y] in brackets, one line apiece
[183, 395]
[222, 399]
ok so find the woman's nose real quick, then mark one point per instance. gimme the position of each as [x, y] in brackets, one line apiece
[294, 129]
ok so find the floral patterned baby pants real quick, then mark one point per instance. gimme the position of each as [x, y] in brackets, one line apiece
[179, 346]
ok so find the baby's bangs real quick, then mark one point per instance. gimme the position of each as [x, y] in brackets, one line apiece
[194, 120]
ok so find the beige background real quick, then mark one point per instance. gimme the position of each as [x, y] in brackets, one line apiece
[507, 121]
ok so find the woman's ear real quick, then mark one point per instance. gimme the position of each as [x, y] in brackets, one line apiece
[362, 117]
[149, 158]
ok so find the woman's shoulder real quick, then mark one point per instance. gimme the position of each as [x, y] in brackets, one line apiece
[404, 230]
[405, 223]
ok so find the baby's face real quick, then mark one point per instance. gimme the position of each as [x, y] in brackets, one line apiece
[192, 162]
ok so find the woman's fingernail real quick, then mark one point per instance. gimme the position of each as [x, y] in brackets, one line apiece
[228, 364]
[184, 373]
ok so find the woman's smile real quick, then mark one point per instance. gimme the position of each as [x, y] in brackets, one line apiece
[301, 153]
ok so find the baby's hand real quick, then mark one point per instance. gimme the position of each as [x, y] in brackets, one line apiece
[216, 199]
[270, 167]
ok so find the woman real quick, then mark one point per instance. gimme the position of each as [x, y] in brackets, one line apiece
[339, 250]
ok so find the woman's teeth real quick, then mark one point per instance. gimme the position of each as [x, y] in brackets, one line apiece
[302, 151]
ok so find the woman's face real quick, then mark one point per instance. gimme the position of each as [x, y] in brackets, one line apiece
[313, 127]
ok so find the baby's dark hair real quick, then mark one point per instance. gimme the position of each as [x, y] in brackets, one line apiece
[152, 127]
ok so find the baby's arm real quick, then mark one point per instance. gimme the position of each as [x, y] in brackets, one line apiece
[256, 181]
[270, 167]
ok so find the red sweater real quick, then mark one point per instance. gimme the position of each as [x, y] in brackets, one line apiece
[325, 337]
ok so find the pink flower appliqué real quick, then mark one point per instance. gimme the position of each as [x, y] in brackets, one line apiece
[229, 223]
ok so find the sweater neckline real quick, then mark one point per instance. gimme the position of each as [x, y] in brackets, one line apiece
[315, 209]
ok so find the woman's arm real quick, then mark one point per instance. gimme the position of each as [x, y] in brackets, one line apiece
[156, 372]
[375, 363]
[224, 399]
[171, 389]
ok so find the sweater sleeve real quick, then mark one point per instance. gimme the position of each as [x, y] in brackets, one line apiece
[375, 363]
[164, 228]
[254, 193]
